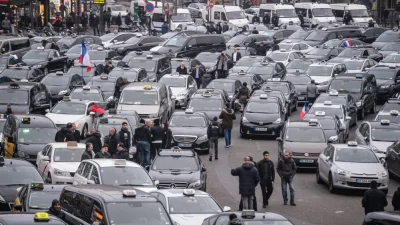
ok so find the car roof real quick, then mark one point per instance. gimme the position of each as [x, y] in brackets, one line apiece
[179, 192]
[176, 75]
[323, 105]
[35, 120]
[17, 162]
[26, 218]
[140, 86]
[111, 162]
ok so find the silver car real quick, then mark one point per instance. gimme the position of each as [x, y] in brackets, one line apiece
[351, 166]
[195, 9]
[182, 87]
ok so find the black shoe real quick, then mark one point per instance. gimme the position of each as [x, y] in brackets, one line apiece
[264, 206]
[210, 158]
[285, 203]
[216, 158]
[293, 204]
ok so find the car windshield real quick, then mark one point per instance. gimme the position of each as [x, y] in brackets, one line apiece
[14, 97]
[298, 35]
[139, 97]
[359, 13]
[207, 57]
[15, 74]
[55, 80]
[299, 64]
[177, 41]
[131, 76]
[286, 13]
[262, 107]
[316, 36]
[125, 175]
[322, 12]
[389, 135]
[40, 199]
[262, 70]
[193, 205]
[182, 17]
[140, 213]
[133, 40]
[103, 128]
[285, 46]
[175, 163]
[299, 80]
[283, 88]
[382, 74]
[333, 43]
[36, 135]
[235, 15]
[204, 104]
[97, 55]
[227, 86]
[187, 121]
[334, 100]
[242, 79]
[305, 134]
[319, 70]
[346, 85]
[247, 61]
[148, 64]
[329, 111]
[388, 37]
[173, 81]
[353, 64]
[236, 40]
[392, 119]
[106, 86]
[68, 154]
[319, 51]
[86, 95]
[269, 33]
[80, 70]
[71, 108]
[391, 47]
[355, 155]
[11, 174]
[327, 124]
[36, 55]
[391, 59]
[107, 37]
[279, 56]
[118, 8]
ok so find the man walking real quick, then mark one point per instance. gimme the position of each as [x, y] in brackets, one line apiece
[182, 69]
[197, 74]
[213, 135]
[65, 134]
[266, 171]
[143, 137]
[228, 116]
[374, 200]
[286, 170]
[125, 136]
[311, 92]
[248, 180]
[156, 138]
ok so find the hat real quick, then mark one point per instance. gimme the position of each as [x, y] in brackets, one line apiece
[121, 144]
[54, 202]
[108, 58]
[69, 125]
[105, 146]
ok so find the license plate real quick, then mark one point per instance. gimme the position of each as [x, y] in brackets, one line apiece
[306, 161]
[300, 98]
[363, 181]
[260, 129]
[184, 145]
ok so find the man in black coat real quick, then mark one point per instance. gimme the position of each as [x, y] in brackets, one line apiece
[275, 20]
[76, 133]
[301, 18]
[65, 134]
[182, 69]
[95, 139]
[197, 74]
[88, 153]
[236, 55]
[55, 209]
[103, 154]
[156, 138]
[248, 180]
[287, 169]
[255, 19]
[109, 66]
[347, 18]
[266, 19]
[125, 136]
[112, 141]
[266, 171]
[122, 153]
[225, 28]
[374, 200]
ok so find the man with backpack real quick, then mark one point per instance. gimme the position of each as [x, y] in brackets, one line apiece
[213, 135]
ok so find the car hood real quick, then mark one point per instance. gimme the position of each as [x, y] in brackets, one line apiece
[195, 131]
[165, 49]
[261, 117]
[9, 193]
[209, 64]
[237, 69]
[378, 44]
[380, 82]
[140, 109]
[63, 118]
[312, 43]
[320, 79]
[381, 145]
[54, 90]
[31, 62]
[361, 168]
[147, 189]
[18, 109]
[155, 49]
[177, 90]
[67, 166]
[166, 176]
[31, 149]
[192, 219]
[304, 147]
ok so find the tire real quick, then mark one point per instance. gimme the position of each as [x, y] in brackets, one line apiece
[332, 189]
[318, 177]
[84, 131]
[65, 68]
[45, 71]
[242, 134]
[373, 109]
[289, 112]
[362, 114]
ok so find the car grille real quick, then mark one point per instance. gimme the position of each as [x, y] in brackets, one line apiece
[302, 154]
[185, 138]
[360, 185]
[366, 178]
[72, 174]
[258, 123]
[168, 185]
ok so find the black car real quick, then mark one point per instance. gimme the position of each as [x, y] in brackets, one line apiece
[386, 37]
[131, 74]
[288, 90]
[278, 35]
[369, 35]
[387, 81]
[224, 94]
[298, 65]
[330, 124]
[322, 53]
[362, 87]
[246, 62]
[299, 35]
[19, 72]
[263, 115]
[83, 71]
[108, 85]
[47, 60]
[24, 97]
[268, 70]
[253, 81]
[278, 94]
[156, 66]
[230, 86]
[318, 37]
[351, 52]
[392, 158]
[180, 168]
[140, 42]
[87, 93]
[59, 84]
[243, 40]
[300, 82]
[75, 51]
[10, 218]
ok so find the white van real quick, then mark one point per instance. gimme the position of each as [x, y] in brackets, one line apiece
[158, 18]
[182, 17]
[285, 12]
[231, 14]
[315, 13]
[360, 13]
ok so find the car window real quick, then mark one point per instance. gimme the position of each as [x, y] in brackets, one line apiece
[5, 47]
[94, 176]
[87, 169]
[80, 168]
[222, 220]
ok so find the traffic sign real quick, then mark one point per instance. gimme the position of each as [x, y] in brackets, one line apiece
[149, 7]
[211, 4]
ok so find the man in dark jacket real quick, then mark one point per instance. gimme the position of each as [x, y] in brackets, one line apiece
[95, 25]
[266, 171]
[228, 116]
[109, 66]
[255, 31]
[255, 19]
[311, 92]
[396, 200]
[76, 133]
[125, 136]
[225, 28]
[218, 28]
[65, 134]
[95, 139]
[197, 74]
[243, 95]
[374, 200]
[301, 18]
[236, 56]
[182, 69]
[347, 18]
[266, 19]
[112, 141]
[275, 20]
[205, 80]
[143, 138]
[248, 180]
[122, 152]
[88, 153]
[164, 28]
[55, 209]
[103, 154]
[213, 135]
[156, 138]
[286, 170]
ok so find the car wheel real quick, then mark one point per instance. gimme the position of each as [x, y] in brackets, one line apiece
[65, 68]
[362, 114]
[45, 71]
[49, 180]
[84, 131]
[242, 134]
[373, 109]
[318, 177]
[332, 189]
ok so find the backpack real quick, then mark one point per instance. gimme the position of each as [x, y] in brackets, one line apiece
[214, 130]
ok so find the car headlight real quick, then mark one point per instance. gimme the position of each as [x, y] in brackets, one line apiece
[182, 94]
[195, 184]
[22, 154]
[278, 120]
[36, 66]
[153, 115]
[385, 86]
[61, 173]
[202, 138]
[383, 173]
[342, 172]
[324, 83]
[244, 120]
[63, 92]
[2, 200]
[359, 104]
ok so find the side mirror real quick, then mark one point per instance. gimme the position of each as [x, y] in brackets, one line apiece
[18, 208]
[47, 110]
[90, 182]
[157, 182]
[45, 158]
[279, 139]
[226, 209]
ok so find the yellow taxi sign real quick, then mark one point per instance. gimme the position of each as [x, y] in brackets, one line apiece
[37, 185]
[99, 2]
[42, 216]
[147, 87]
[26, 120]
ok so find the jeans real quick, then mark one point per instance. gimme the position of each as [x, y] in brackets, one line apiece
[94, 31]
[247, 201]
[228, 136]
[284, 183]
[254, 204]
[266, 190]
[214, 147]
[144, 153]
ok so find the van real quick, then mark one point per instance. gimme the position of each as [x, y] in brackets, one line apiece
[231, 14]
[157, 18]
[360, 13]
[285, 12]
[315, 13]
[182, 18]
[14, 45]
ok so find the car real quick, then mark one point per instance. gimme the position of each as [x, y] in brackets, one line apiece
[30, 218]
[87, 93]
[300, 82]
[195, 204]
[35, 197]
[131, 74]
[320, 36]
[38, 40]
[195, 9]
[115, 38]
[109, 85]
[322, 53]
[47, 60]
[6, 61]
[392, 116]
[382, 217]
[223, 94]
[60, 84]
[331, 125]
[268, 70]
[322, 72]
[245, 39]
[58, 162]
[83, 71]
[278, 35]
[359, 65]
[262, 116]
[285, 56]
[386, 37]
[350, 52]
[287, 88]
[387, 81]
[15, 173]
[251, 12]
[26, 135]
[246, 62]
[298, 36]
[391, 104]
[67, 42]
[370, 34]
[248, 217]
[391, 60]
[350, 166]
[209, 61]
[19, 72]
[298, 65]
[132, 117]
[138, 42]
[253, 81]
[343, 42]
[182, 87]
[230, 86]
[289, 45]
[279, 94]
[156, 66]
[390, 48]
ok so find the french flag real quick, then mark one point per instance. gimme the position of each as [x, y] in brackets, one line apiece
[347, 43]
[84, 58]
[303, 111]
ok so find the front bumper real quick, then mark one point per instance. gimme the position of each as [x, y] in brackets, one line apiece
[62, 179]
[198, 146]
[301, 98]
[271, 129]
[384, 93]
[346, 182]
[305, 162]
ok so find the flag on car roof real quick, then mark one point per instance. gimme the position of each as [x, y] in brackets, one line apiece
[303, 111]
[347, 43]
[84, 58]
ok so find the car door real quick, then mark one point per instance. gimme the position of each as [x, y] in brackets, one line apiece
[95, 175]
[41, 164]
[359, 133]
[323, 161]
[21, 193]
[393, 158]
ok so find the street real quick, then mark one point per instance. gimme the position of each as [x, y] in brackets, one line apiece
[315, 204]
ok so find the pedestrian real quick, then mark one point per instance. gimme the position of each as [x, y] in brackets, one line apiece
[228, 116]
[164, 28]
[9, 110]
[301, 18]
[156, 138]
[143, 137]
[103, 153]
[222, 65]
[122, 152]
[95, 25]
[125, 136]
[311, 92]
[287, 169]
[218, 28]
[39, 21]
[347, 18]
[372, 24]
[118, 21]
[213, 135]
[266, 19]
[63, 10]
[254, 197]
[88, 153]
[374, 200]
[248, 180]
[275, 20]
[181, 69]
[205, 80]
[236, 56]
[95, 138]
[128, 19]
[167, 136]
[112, 141]
[84, 20]
[225, 28]
[233, 220]
[255, 19]
[65, 134]
[69, 22]
[396, 200]
[108, 17]
[76, 133]
[243, 95]
[109, 66]
[6, 25]
[55, 209]
[266, 171]
[197, 74]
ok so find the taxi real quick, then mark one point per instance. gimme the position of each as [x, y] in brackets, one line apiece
[73, 111]
[182, 87]
[107, 84]
[253, 81]
[245, 63]
[58, 162]
[30, 219]
[285, 56]
[331, 124]
[88, 93]
[20, 72]
[392, 116]
[278, 94]
[359, 65]
[97, 56]
[391, 104]
[300, 82]
[47, 60]
[288, 90]
[322, 72]
[36, 197]
[131, 74]
[182, 204]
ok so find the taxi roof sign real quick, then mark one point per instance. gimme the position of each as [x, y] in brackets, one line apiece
[72, 144]
[189, 192]
[276, 79]
[327, 103]
[13, 86]
[352, 143]
[176, 149]
[189, 111]
[320, 113]
[120, 162]
[263, 96]
[59, 73]
[248, 213]
[40, 48]
[149, 56]
[100, 49]
[394, 112]
[333, 93]
[147, 87]
[41, 216]
[104, 77]
[86, 88]
[385, 122]
[129, 193]
[207, 94]
[26, 120]
[37, 186]
[67, 98]
[241, 72]
[24, 80]
[313, 122]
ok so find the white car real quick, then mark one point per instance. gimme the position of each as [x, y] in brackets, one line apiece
[111, 39]
[58, 162]
[359, 65]
[73, 111]
[289, 45]
[114, 172]
[285, 56]
[251, 12]
[322, 72]
[188, 206]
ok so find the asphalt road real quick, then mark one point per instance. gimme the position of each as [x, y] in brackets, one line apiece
[315, 205]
